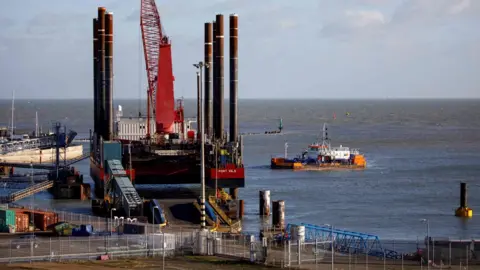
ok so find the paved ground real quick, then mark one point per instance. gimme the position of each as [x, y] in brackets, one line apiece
[180, 263]
[202, 263]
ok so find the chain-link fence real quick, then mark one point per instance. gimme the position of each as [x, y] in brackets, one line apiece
[386, 254]
[58, 249]
[319, 254]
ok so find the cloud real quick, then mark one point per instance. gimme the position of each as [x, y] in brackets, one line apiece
[364, 18]
[428, 11]
[366, 48]
[352, 21]
[288, 23]
[134, 16]
[459, 7]
[6, 22]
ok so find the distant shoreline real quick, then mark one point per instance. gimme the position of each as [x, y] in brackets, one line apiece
[9, 100]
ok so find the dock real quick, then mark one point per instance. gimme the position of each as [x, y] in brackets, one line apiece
[41, 166]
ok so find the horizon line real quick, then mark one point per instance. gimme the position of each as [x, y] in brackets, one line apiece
[273, 98]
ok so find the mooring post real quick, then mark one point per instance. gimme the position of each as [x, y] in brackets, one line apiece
[264, 203]
[278, 214]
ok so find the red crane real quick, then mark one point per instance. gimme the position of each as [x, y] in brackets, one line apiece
[158, 62]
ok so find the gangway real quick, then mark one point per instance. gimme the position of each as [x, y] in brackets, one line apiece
[29, 191]
[346, 241]
[125, 195]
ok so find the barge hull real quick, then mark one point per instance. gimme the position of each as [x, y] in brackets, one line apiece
[180, 172]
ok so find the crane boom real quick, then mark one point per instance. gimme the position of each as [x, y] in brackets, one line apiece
[151, 36]
[158, 62]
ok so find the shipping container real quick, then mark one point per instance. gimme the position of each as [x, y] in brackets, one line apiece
[112, 150]
[44, 220]
[133, 129]
[7, 219]
[21, 222]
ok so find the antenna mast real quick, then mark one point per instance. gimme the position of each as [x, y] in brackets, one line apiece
[325, 141]
[36, 124]
[13, 112]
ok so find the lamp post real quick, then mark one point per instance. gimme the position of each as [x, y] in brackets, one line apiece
[199, 67]
[428, 241]
[32, 216]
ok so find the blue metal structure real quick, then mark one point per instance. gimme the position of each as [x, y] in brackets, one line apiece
[158, 216]
[346, 241]
[119, 185]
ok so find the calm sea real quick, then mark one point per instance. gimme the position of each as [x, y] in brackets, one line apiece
[418, 152]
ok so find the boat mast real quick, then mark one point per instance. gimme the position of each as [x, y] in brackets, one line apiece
[13, 109]
[36, 124]
[325, 141]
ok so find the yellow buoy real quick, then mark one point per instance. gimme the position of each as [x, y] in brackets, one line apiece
[463, 211]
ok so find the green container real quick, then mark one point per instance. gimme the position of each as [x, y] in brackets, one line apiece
[60, 228]
[7, 218]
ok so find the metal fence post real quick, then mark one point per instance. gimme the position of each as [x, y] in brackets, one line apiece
[163, 257]
[349, 259]
[299, 252]
[450, 253]
[466, 256]
[289, 253]
[433, 250]
[366, 258]
[244, 246]
[394, 251]
[384, 260]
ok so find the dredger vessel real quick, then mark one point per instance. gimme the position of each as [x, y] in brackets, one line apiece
[321, 156]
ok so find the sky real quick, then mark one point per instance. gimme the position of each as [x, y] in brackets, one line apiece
[287, 49]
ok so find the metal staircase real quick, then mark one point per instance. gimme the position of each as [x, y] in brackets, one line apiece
[219, 211]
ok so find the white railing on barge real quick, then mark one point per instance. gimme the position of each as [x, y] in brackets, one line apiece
[15, 146]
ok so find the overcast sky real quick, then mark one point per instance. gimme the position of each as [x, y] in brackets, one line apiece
[287, 49]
